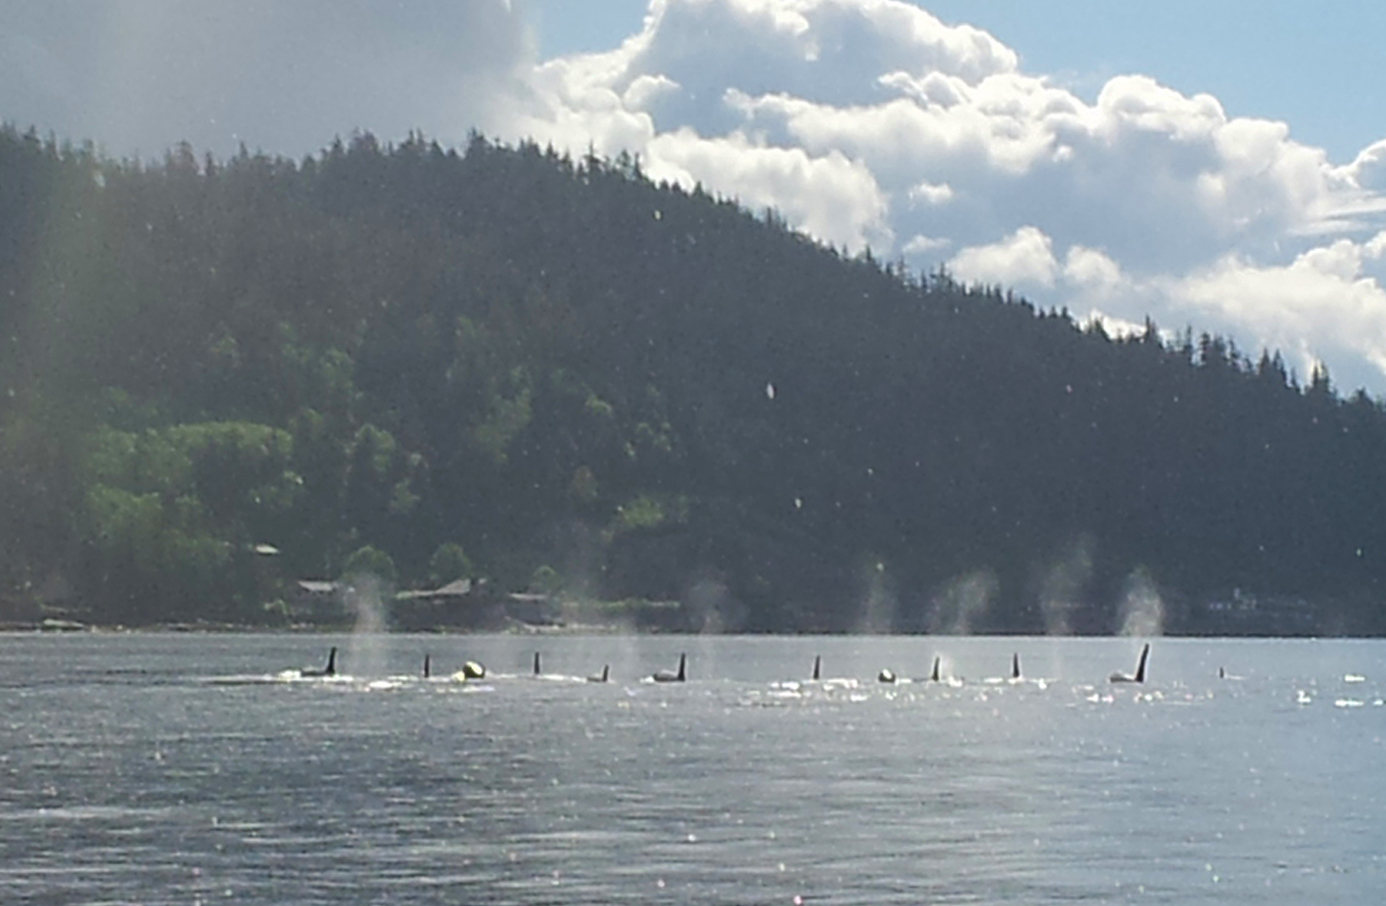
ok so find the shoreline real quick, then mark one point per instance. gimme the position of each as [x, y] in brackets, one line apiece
[72, 627]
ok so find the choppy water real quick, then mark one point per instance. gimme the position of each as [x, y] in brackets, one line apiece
[180, 769]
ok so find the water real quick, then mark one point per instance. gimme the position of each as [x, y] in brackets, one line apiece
[180, 769]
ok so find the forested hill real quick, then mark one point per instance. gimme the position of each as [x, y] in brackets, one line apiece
[504, 356]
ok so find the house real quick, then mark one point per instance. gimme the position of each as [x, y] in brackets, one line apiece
[318, 601]
[533, 608]
[461, 604]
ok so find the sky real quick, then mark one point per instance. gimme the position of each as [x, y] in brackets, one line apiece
[1216, 165]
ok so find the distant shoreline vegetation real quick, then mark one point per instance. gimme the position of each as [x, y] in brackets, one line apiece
[223, 379]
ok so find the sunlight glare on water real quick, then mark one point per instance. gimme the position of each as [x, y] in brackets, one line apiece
[173, 769]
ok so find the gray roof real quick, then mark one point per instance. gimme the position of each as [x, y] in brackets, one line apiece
[455, 588]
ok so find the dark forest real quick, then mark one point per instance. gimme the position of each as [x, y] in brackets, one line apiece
[508, 363]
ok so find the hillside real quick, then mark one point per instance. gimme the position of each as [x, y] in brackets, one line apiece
[499, 359]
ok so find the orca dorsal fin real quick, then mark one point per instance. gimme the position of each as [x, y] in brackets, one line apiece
[331, 668]
[1015, 665]
[1140, 665]
[427, 668]
[683, 668]
[934, 675]
[817, 666]
[537, 671]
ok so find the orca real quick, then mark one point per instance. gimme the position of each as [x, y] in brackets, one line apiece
[602, 677]
[537, 671]
[1015, 666]
[1139, 676]
[329, 670]
[818, 666]
[427, 672]
[935, 676]
[669, 676]
[886, 675]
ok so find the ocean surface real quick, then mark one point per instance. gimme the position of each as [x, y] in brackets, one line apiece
[168, 768]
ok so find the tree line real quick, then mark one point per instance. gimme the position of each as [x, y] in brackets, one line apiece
[507, 361]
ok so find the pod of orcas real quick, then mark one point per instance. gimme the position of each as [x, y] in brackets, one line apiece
[888, 676]
[472, 670]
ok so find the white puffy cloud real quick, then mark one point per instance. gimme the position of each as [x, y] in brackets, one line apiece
[1092, 271]
[830, 196]
[1322, 306]
[1024, 259]
[1368, 171]
[872, 122]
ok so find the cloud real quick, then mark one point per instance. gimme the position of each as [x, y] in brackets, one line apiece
[1323, 305]
[138, 76]
[1023, 259]
[830, 196]
[872, 122]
